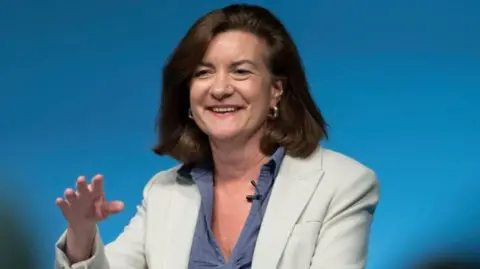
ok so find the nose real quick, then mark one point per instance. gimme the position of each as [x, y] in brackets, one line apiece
[221, 88]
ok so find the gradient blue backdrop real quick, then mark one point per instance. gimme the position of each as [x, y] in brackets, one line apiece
[398, 81]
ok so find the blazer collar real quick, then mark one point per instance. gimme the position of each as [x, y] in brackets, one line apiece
[293, 188]
[182, 216]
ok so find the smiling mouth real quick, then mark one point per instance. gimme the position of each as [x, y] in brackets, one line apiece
[224, 110]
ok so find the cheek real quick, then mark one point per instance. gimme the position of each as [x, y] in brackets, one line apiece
[260, 103]
[262, 97]
[196, 94]
[254, 91]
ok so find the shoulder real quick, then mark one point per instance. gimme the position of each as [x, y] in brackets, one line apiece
[340, 172]
[348, 186]
[342, 165]
[349, 180]
[164, 179]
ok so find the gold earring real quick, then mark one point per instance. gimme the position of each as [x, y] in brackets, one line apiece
[274, 113]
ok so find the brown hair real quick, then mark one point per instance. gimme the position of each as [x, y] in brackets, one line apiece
[299, 126]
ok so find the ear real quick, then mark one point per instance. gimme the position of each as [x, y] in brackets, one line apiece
[276, 91]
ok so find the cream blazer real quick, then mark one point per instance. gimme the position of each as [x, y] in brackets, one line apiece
[319, 216]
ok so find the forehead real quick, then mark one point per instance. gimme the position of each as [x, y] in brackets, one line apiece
[234, 46]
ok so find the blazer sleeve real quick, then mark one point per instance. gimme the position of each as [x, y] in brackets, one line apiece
[343, 239]
[127, 251]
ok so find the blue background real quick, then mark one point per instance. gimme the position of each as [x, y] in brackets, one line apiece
[398, 81]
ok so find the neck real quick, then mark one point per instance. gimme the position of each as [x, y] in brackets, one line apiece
[235, 161]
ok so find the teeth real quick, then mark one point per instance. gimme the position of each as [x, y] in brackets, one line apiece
[223, 109]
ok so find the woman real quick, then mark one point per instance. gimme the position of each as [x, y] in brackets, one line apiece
[255, 189]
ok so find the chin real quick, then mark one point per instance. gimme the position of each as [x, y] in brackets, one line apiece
[223, 135]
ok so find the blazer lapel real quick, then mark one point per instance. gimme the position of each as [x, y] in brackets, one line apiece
[182, 221]
[293, 187]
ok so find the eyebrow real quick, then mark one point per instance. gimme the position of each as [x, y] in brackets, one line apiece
[237, 63]
[234, 64]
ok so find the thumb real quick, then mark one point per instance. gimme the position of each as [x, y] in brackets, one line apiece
[114, 207]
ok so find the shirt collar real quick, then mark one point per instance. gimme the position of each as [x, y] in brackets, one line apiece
[276, 160]
[188, 172]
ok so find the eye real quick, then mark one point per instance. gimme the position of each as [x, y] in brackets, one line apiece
[241, 72]
[202, 73]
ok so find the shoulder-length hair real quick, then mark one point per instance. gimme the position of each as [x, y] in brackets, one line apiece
[299, 126]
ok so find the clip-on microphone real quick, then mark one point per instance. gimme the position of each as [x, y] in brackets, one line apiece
[255, 196]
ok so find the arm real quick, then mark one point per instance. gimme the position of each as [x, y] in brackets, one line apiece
[344, 236]
[126, 252]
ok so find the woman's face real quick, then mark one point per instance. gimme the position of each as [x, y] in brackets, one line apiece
[232, 91]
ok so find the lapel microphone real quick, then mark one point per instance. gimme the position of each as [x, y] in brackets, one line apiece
[255, 196]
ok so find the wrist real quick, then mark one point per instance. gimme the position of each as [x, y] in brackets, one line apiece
[79, 242]
[81, 235]
[82, 228]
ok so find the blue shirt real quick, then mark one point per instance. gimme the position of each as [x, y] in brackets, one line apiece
[205, 252]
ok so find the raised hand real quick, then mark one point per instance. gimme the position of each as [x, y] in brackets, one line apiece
[83, 209]
[87, 205]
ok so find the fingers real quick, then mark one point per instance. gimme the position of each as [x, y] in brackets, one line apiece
[82, 189]
[70, 195]
[82, 186]
[87, 202]
[62, 204]
[97, 184]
